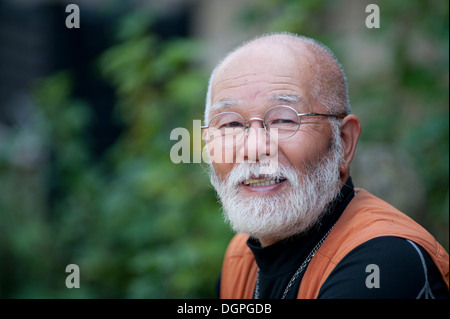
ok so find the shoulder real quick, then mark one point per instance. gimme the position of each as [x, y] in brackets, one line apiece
[368, 217]
[238, 246]
[239, 268]
[385, 267]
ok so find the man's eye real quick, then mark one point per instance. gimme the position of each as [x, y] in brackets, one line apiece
[283, 121]
[232, 124]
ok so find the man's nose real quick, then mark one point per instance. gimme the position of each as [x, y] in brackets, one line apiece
[257, 143]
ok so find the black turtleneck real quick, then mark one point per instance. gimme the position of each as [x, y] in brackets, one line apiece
[403, 272]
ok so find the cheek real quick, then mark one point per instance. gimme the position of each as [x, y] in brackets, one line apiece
[222, 169]
[298, 151]
[221, 156]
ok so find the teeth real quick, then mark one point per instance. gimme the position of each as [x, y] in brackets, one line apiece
[261, 182]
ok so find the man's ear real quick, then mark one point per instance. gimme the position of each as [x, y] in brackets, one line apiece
[350, 132]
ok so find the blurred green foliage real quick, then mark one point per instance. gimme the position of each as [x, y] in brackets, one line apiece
[139, 226]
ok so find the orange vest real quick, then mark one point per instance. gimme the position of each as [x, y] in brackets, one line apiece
[365, 217]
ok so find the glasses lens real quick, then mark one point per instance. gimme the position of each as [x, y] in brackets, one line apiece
[227, 128]
[282, 121]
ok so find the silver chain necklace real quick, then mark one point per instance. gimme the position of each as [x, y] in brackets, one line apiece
[299, 270]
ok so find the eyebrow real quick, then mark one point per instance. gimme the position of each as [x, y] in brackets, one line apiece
[286, 99]
[222, 104]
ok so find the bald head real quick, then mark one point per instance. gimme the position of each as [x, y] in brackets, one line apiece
[310, 62]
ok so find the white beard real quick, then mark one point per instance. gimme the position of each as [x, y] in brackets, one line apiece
[295, 209]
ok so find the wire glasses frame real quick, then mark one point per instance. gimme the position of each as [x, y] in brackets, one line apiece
[280, 121]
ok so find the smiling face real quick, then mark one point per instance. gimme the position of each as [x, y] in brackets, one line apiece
[308, 172]
[257, 78]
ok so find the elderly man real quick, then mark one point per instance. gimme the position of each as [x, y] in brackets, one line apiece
[281, 138]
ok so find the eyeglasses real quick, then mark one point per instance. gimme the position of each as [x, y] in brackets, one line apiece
[280, 121]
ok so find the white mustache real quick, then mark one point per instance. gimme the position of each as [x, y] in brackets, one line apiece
[245, 171]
